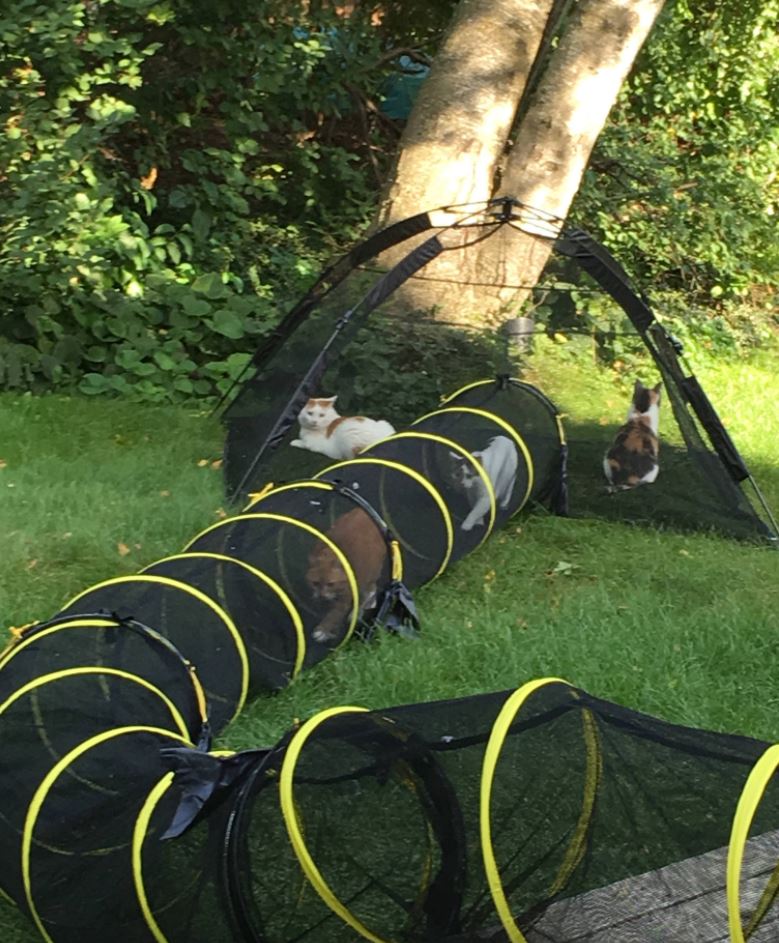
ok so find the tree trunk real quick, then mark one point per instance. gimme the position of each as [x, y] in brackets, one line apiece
[458, 128]
[555, 138]
[457, 131]
[453, 148]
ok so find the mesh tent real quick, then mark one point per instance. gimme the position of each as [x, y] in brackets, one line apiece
[323, 346]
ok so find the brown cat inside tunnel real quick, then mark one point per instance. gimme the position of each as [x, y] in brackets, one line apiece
[248, 604]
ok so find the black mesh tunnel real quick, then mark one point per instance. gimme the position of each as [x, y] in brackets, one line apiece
[542, 815]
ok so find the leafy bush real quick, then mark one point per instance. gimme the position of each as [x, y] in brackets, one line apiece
[169, 182]
[683, 183]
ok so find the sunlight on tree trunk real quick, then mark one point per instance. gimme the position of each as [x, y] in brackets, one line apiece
[551, 145]
[555, 139]
[457, 131]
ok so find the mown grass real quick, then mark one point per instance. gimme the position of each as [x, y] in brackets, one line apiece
[679, 625]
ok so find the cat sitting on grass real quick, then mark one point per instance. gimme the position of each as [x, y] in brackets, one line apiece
[323, 430]
[632, 459]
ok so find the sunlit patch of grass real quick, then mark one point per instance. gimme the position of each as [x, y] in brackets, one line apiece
[91, 489]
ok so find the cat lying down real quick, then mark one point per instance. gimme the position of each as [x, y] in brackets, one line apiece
[323, 430]
[632, 459]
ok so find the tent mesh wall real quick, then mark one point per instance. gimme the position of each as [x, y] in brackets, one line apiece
[326, 346]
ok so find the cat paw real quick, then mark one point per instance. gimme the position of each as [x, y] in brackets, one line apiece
[468, 524]
[322, 635]
[298, 443]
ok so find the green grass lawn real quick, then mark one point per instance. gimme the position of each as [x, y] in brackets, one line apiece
[681, 626]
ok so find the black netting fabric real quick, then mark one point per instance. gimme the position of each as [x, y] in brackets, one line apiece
[537, 815]
[82, 832]
[327, 346]
[192, 621]
[464, 469]
[260, 609]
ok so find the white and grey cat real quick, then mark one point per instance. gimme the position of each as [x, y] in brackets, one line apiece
[499, 461]
[633, 459]
[323, 430]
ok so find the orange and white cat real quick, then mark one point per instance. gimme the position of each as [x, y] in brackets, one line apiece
[323, 430]
[633, 459]
[364, 546]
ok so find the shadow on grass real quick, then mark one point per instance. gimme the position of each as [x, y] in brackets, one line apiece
[692, 490]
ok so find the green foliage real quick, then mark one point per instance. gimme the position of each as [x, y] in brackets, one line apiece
[171, 177]
[403, 366]
[683, 183]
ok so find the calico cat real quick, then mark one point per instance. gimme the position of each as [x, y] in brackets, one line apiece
[632, 459]
[499, 460]
[323, 430]
[363, 545]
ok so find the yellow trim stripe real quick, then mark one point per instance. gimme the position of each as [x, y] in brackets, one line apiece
[74, 672]
[110, 623]
[432, 491]
[43, 789]
[451, 444]
[292, 822]
[494, 746]
[339, 555]
[756, 784]
[139, 834]
[26, 640]
[505, 426]
[286, 601]
[523, 385]
[185, 587]
[464, 389]
[397, 561]
[594, 768]
[269, 491]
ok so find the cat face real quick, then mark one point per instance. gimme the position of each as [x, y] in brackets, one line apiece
[326, 576]
[317, 414]
[464, 475]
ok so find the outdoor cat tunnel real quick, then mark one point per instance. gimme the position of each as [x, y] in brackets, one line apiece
[542, 815]
[257, 597]
[137, 665]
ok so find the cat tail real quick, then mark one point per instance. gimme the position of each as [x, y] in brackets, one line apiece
[397, 612]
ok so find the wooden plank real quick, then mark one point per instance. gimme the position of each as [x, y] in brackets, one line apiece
[683, 902]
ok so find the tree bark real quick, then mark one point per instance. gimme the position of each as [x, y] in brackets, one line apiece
[453, 148]
[456, 133]
[554, 140]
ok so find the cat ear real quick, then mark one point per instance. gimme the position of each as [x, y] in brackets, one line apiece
[658, 389]
[332, 400]
[637, 387]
